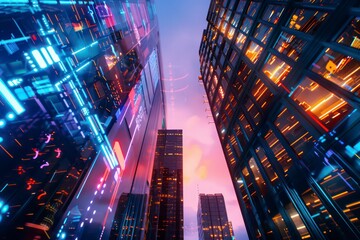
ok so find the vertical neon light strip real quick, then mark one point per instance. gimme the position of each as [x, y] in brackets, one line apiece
[46, 55]
[10, 98]
[39, 59]
[53, 54]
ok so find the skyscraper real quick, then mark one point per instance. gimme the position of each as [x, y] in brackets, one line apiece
[282, 81]
[212, 218]
[166, 219]
[81, 103]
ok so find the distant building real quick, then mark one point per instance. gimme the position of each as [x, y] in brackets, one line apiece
[166, 219]
[212, 218]
[282, 81]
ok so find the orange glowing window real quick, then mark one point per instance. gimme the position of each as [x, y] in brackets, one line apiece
[276, 69]
[253, 52]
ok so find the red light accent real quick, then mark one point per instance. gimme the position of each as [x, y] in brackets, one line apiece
[33, 37]
[317, 121]
[285, 88]
[41, 195]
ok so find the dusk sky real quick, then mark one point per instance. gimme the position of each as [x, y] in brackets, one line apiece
[205, 170]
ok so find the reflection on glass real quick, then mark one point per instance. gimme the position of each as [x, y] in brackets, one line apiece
[293, 131]
[239, 134]
[299, 224]
[290, 45]
[240, 7]
[276, 69]
[320, 103]
[262, 94]
[235, 20]
[240, 40]
[253, 51]
[246, 25]
[340, 69]
[306, 20]
[267, 166]
[341, 187]
[351, 36]
[321, 2]
[262, 32]
[246, 125]
[253, 7]
[278, 150]
[253, 111]
[258, 177]
[235, 145]
[231, 33]
[321, 216]
[273, 13]
[280, 224]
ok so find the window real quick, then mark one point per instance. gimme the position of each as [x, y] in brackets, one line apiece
[273, 13]
[253, 52]
[267, 166]
[262, 32]
[340, 69]
[240, 7]
[253, 8]
[259, 180]
[276, 69]
[278, 150]
[320, 103]
[351, 36]
[246, 125]
[290, 45]
[262, 94]
[252, 110]
[240, 40]
[246, 25]
[306, 20]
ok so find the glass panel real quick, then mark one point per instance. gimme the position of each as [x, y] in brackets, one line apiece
[231, 33]
[240, 40]
[295, 133]
[340, 69]
[321, 216]
[223, 28]
[235, 20]
[253, 52]
[258, 177]
[246, 25]
[320, 103]
[351, 36]
[306, 20]
[246, 126]
[280, 224]
[276, 69]
[262, 94]
[241, 5]
[235, 146]
[239, 134]
[253, 111]
[321, 2]
[341, 187]
[267, 166]
[253, 7]
[278, 150]
[243, 73]
[299, 224]
[290, 45]
[262, 33]
[272, 13]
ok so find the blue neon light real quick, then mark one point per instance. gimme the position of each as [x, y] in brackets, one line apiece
[46, 55]
[2, 123]
[39, 59]
[10, 98]
[10, 116]
[53, 54]
[1, 139]
[83, 66]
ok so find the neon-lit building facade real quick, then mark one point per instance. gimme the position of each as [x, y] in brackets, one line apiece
[282, 81]
[81, 103]
[212, 218]
[166, 203]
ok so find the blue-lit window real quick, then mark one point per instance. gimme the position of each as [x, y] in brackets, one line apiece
[262, 33]
[273, 13]
[246, 25]
[253, 8]
[351, 35]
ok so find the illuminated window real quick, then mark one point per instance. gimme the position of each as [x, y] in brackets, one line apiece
[240, 40]
[231, 32]
[246, 125]
[340, 69]
[253, 51]
[306, 20]
[262, 94]
[243, 73]
[235, 146]
[252, 110]
[320, 103]
[280, 224]
[262, 32]
[239, 134]
[253, 8]
[258, 177]
[276, 69]
[290, 45]
[273, 13]
[278, 150]
[351, 36]
[298, 222]
[267, 166]
[235, 20]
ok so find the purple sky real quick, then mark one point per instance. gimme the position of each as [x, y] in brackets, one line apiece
[205, 171]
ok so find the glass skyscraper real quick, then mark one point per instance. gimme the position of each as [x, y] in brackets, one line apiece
[166, 206]
[80, 105]
[282, 79]
[212, 218]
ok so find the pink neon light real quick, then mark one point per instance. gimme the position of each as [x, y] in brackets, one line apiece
[58, 152]
[44, 165]
[119, 154]
[36, 153]
[48, 138]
